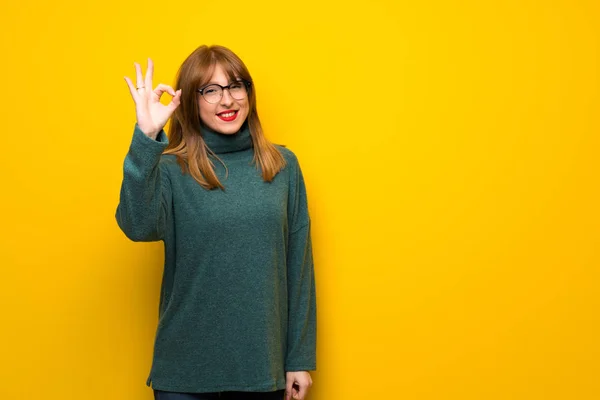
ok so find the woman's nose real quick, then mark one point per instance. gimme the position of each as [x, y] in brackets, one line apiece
[226, 98]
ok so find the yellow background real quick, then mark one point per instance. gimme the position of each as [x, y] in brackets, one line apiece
[450, 150]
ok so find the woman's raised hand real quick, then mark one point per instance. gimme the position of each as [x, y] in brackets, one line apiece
[151, 114]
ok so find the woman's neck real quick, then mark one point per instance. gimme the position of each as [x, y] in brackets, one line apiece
[226, 143]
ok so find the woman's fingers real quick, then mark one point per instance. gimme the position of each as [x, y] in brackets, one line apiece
[131, 89]
[149, 111]
[288, 389]
[149, 73]
[139, 78]
[302, 392]
[161, 88]
[175, 101]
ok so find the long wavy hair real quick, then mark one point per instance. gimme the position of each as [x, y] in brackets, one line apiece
[185, 130]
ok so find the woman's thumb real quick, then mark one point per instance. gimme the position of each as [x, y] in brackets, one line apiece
[175, 100]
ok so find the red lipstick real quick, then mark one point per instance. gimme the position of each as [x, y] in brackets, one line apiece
[228, 119]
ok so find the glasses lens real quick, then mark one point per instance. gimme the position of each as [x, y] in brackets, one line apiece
[212, 93]
[237, 90]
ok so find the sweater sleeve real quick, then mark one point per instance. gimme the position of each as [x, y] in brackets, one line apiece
[302, 309]
[145, 190]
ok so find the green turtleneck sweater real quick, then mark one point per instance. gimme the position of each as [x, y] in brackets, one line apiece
[237, 303]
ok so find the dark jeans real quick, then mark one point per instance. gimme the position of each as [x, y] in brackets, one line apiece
[277, 395]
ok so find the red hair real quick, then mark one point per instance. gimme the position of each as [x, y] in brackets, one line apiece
[185, 133]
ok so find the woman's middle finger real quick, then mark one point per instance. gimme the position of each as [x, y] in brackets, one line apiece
[149, 73]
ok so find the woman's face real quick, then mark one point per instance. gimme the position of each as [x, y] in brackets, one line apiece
[226, 115]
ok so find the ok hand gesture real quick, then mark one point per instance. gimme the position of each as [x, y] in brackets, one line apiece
[151, 114]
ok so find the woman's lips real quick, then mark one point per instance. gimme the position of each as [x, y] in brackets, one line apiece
[228, 116]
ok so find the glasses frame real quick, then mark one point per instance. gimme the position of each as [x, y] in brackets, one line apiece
[246, 83]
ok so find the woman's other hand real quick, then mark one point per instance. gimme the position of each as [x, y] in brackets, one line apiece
[297, 384]
[151, 115]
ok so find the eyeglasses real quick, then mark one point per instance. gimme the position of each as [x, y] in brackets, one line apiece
[213, 93]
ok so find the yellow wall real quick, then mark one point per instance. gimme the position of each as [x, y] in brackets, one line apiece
[451, 155]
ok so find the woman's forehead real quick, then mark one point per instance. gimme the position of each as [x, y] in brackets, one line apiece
[222, 75]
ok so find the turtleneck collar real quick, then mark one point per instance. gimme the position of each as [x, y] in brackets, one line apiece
[227, 143]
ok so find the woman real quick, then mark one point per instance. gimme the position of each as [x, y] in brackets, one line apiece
[237, 312]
